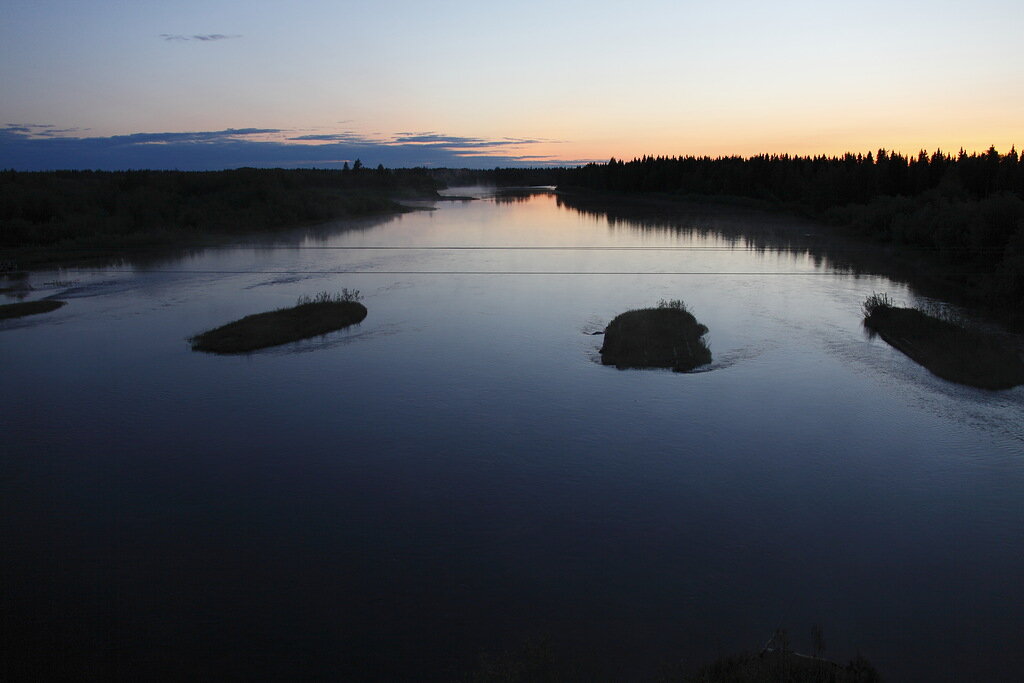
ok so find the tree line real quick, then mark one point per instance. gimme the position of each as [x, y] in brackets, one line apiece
[818, 182]
[47, 208]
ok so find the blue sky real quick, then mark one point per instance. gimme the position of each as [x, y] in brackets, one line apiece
[104, 84]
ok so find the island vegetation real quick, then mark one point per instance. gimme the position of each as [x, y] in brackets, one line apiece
[23, 308]
[310, 317]
[56, 217]
[667, 336]
[948, 347]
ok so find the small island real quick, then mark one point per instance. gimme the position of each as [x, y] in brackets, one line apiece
[310, 317]
[667, 336]
[23, 308]
[946, 347]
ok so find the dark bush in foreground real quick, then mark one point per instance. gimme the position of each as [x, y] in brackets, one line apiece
[784, 666]
[28, 308]
[947, 349]
[664, 337]
[310, 318]
[543, 662]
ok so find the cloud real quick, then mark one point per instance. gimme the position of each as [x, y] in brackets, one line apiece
[194, 136]
[59, 131]
[214, 36]
[468, 144]
[203, 37]
[434, 138]
[431, 138]
[34, 147]
[39, 129]
[338, 137]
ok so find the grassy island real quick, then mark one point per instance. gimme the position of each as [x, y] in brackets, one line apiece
[310, 317]
[664, 337]
[948, 349]
[24, 308]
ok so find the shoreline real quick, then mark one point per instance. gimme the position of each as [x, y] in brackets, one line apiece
[56, 218]
[926, 273]
[156, 243]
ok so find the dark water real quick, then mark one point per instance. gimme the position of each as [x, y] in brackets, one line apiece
[458, 474]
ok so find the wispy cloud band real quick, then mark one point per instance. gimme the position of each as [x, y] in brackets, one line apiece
[44, 147]
[202, 37]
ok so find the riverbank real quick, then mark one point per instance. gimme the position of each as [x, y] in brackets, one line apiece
[99, 250]
[73, 217]
[962, 216]
[830, 236]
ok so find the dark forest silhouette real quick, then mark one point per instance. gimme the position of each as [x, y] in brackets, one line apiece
[43, 209]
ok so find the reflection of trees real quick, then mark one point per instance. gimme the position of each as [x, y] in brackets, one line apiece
[518, 196]
[966, 210]
[179, 248]
[760, 231]
[736, 228]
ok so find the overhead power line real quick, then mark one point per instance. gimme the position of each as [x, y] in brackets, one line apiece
[138, 271]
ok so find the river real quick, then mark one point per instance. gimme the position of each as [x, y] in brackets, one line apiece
[459, 475]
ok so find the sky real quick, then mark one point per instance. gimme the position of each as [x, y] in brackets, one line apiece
[211, 84]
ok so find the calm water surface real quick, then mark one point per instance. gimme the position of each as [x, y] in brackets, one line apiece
[458, 474]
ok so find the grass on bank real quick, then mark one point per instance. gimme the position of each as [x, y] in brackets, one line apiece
[310, 317]
[23, 308]
[946, 347]
[667, 336]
